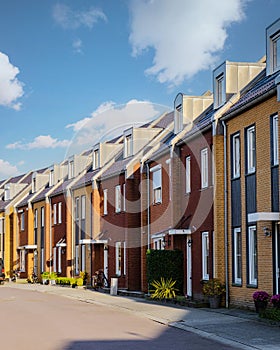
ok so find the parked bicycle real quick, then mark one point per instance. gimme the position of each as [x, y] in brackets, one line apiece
[33, 278]
[99, 280]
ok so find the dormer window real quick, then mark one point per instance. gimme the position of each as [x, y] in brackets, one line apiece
[220, 85]
[7, 193]
[178, 113]
[51, 179]
[128, 145]
[95, 161]
[33, 184]
[71, 169]
[273, 48]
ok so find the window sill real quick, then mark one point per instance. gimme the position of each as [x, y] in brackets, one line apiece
[239, 285]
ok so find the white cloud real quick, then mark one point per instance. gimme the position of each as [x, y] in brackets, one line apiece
[42, 141]
[109, 120]
[7, 169]
[186, 36]
[70, 19]
[11, 89]
[77, 45]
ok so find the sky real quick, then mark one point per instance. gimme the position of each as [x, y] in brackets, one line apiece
[76, 72]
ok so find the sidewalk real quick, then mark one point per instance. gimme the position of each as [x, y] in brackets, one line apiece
[238, 328]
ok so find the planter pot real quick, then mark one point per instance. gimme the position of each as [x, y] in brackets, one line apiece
[214, 301]
[260, 306]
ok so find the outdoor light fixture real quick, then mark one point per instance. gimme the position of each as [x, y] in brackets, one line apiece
[267, 232]
[190, 241]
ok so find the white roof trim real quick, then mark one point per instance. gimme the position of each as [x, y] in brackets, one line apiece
[264, 216]
[28, 246]
[184, 231]
[157, 235]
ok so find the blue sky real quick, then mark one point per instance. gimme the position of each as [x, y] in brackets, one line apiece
[71, 71]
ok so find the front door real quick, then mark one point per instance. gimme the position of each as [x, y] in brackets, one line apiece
[277, 259]
[189, 266]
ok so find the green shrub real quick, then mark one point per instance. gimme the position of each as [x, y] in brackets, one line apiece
[166, 264]
[271, 314]
[164, 289]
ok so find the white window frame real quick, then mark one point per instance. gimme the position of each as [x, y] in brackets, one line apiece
[55, 214]
[205, 255]
[77, 208]
[179, 118]
[275, 158]
[275, 43]
[1, 225]
[124, 258]
[118, 199]
[188, 174]
[77, 269]
[157, 184]
[60, 212]
[127, 145]
[237, 256]
[83, 258]
[204, 167]
[158, 243]
[105, 201]
[252, 256]
[251, 149]
[54, 260]
[42, 216]
[83, 207]
[51, 178]
[22, 253]
[236, 156]
[71, 169]
[59, 270]
[35, 218]
[118, 256]
[96, 159]
[7, 193]
[220, 89]
[42, 259]
[124, 197]
[22, 219]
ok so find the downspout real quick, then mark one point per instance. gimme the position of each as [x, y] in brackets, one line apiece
[226, 214]
[148, 215]
[50, 210]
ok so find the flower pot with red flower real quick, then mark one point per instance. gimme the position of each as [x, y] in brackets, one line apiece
[260, 298]
[275, 301]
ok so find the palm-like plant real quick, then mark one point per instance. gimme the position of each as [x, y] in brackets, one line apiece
[164, 289]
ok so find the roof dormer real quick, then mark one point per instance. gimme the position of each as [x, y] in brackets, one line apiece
[76, 164]
[102, 153]
[273, 48]
[230, 77]
[38, 181]
[187, 108]
[12, 189]
[57, 173]
[137, 138]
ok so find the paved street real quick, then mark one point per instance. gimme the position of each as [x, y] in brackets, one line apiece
[69, 318]
[32, 320]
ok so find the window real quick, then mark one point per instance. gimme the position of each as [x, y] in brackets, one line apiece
[77, 208]
[236, 156]
[275, 41]
[220, 90]
[22, 221]
[96, 159]
[77, 270]
[83, 207]
[205, 256]
[42, 260]
[71, 169]
[275, 155]
[105, 202]
[157, 184]
[33, 189]
[117, 198]
[188, 174]
[158, 244]
[252, 258]
[251, 150]
[178, 119]
[54, 213]
[54, 259]
[237, 266]
[59, 212]
[128, 145]
[124, 195]
[22, 260]
[124, 258]
[2, 225]
[204, 167]
[118, 258]
[51, 179]
[7, 193]
[59, 259]
[36, 218]
[83, 258]
[42, 216]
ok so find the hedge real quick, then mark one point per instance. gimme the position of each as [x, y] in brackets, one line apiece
[166, 264]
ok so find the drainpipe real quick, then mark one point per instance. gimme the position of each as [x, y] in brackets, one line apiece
[50, 210]
[148, 214]
[226, 214]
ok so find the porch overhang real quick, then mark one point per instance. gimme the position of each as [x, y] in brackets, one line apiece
[263, 216]
[61, 243]
[27, 246]
[93, 241]
[184, 231]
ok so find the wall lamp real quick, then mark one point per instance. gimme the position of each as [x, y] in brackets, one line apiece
[190, 242]
[267, 232]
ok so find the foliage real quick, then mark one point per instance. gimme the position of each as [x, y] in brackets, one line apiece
[63, 281]
[213, 287]
[260, 295]
[53, 276]
[45, 275]
[167, 264]
[84, 276]
[164, 289]
[271, 314]
[275, 300]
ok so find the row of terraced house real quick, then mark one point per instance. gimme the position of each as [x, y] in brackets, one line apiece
[203, 179]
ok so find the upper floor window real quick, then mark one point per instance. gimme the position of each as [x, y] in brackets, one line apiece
[157, 184]
[71, 169]
[220, 89]
[236, 156]
[251, 150]
[275, 41]
[33, 185]
[128, 145]
[273, 48]
[188, 174]
[36, 218]
[118, 198]
[77, 208]
[275, 142]
[2, 221]
[51, 179]
[7, 193]
[96, 159]
[55, 214]
[124, 197]
[59, 212]
[83, 207]
[42, 216]
[22, 225]
[105, 201]
[204, 167]
[178, 114]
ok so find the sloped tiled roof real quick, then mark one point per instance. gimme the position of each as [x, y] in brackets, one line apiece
[117, 167]
[86, 179]
[60, 189]
[25, 200]
[165, 121]
[41, 195]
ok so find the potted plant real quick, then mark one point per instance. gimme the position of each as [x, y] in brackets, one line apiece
[213, 289]
[275, 301]
[164, 289]
[45, 277]
[260, 298]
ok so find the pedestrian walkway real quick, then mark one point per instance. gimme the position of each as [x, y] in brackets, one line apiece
[238, 328]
